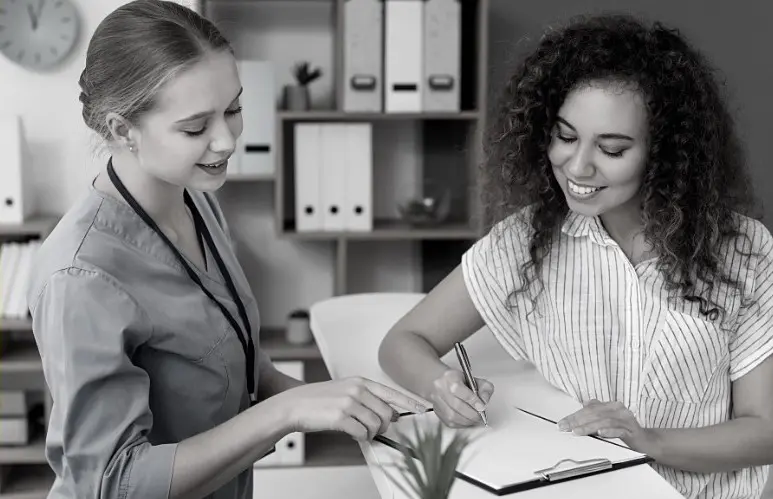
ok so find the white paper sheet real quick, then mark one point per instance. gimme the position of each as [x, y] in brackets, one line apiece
[516, 445]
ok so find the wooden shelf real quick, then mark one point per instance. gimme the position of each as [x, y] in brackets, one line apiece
[27, 482]
[389, 230]
[38, 226]
[20, 358]
[34, 453]
[15, 324]
[334, 115]
[274, 343]
[250, 177]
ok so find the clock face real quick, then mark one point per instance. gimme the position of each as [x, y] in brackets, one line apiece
[37, 34]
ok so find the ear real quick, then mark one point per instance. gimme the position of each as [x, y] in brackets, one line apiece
[121, 130]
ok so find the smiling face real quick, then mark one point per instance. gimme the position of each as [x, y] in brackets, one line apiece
[598, 148]
[194, 125]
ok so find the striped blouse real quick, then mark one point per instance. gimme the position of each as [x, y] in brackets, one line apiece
[602, 328]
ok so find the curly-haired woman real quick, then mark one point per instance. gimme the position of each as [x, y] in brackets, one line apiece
[622, 260]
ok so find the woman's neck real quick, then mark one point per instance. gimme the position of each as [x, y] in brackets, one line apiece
[624, 225]
[162, 201]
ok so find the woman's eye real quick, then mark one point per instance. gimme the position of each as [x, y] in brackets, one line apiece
[195, 133]
[566, 139]
[231, 112]
[613, 154]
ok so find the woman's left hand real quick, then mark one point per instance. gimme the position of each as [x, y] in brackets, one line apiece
[609, 420]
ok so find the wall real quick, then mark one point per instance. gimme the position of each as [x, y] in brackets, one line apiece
[284, 274]
[732, 34]
[287, 274]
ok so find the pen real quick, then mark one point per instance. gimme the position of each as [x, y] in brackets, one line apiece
[464, 361]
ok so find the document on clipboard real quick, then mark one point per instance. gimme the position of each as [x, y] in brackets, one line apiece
[521, 450]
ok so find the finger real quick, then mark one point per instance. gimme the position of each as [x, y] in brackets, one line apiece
[353, 428]
[458, 411]
[395, 397]
[601, 424]
[582, 417]
[369, 419]
[612, 433]
[460, 391]
[384, 411]
[485, 390]
[450, 417]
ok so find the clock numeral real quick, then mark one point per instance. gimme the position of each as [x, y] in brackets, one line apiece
[66, 20]
[2, 27]
[53, 50]
[64, 37]
[58, 4]
[5, 45]
[3, 11]
[20, 56]
[37, 57]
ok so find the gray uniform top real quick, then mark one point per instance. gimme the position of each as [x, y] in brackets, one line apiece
[136, 356]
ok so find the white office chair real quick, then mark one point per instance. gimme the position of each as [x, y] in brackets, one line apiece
[356, 324]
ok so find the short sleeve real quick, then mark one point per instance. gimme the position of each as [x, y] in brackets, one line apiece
[752, 341]
[87, 329]
[490, 270]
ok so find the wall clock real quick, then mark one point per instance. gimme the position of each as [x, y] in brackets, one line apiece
[37, 34]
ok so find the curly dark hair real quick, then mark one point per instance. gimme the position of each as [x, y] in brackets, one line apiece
[695, 181]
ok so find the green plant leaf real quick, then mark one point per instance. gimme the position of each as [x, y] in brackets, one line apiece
[428, 464]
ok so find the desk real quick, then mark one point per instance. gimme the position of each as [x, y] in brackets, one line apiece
[349, 330]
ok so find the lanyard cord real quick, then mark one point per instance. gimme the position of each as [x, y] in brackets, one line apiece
[247, 344]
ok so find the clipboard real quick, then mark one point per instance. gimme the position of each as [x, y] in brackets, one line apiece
[487, 464]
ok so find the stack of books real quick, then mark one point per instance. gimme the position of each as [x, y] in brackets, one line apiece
[16, 260]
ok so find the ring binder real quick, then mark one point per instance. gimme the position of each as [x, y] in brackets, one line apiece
[586, 467]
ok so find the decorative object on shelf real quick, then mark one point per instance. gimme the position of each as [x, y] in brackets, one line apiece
[298, 328]
[430, 209]
[427, 463]
[38, 34]
[296, 97]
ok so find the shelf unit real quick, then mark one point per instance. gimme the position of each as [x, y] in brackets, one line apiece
[24, 473]
[450, 144]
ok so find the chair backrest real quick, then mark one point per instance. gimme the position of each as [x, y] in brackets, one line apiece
[348, 330]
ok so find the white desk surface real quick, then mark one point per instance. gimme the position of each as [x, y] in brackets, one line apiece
[348, 352]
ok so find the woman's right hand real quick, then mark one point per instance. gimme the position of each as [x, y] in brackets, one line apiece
[455, 404]
[357, 406]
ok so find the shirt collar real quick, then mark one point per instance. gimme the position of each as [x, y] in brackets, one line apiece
[578, 225]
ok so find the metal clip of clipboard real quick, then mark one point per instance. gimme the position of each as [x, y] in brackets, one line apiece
[587, 467]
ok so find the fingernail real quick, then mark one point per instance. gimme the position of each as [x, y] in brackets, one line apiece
[479, 406]
[421, 408]
[395, 416]
[563, 426]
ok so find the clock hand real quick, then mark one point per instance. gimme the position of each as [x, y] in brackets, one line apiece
[41, 3]
[33, 17]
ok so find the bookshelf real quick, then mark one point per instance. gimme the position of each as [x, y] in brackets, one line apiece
[24, 473]
[450, 141]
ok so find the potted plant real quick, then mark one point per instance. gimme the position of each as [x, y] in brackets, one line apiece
[296, 97]
[427, 463]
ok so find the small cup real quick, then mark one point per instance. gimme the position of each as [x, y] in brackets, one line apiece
[298, 328]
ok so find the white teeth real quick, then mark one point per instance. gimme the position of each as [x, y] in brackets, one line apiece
[581, 190]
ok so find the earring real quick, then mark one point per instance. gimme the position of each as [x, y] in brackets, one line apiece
[131, 148]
